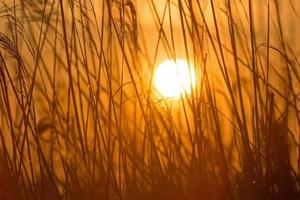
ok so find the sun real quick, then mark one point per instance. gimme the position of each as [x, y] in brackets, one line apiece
[174, 78]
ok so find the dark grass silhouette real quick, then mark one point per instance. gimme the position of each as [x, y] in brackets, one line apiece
[79, 118]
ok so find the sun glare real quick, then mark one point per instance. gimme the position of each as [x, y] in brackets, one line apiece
[174, 78]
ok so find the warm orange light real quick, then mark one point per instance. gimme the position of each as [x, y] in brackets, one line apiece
[174, 78]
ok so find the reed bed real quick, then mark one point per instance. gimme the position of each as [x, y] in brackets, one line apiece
[81, 119]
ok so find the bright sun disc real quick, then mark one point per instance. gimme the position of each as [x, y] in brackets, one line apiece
[174, 78]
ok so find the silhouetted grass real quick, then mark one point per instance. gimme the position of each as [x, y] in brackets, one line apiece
[80, 118]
